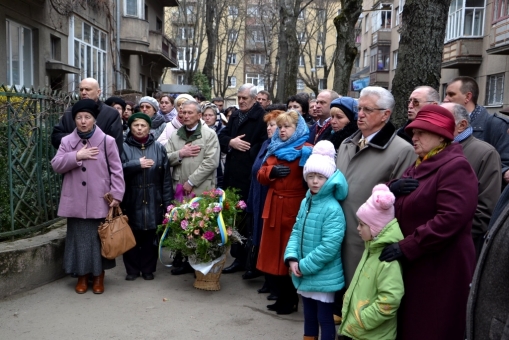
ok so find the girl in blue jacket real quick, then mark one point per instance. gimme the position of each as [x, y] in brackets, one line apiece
[314, 249]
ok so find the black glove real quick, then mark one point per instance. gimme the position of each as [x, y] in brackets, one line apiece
[279, 171]
[403, 186]
[390, 253]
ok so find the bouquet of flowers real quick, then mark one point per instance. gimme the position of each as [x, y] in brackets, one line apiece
[203, 227]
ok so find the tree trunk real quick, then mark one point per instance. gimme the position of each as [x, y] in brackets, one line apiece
[346, 51]
[210, 17]
[420, 51]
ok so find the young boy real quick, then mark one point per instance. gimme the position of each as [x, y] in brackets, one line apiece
[371, 302]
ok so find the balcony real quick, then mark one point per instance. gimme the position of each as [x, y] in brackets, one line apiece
[499, 38]
[162, 49]
[379, 78]
[170, 3]
[252, 45]
[134, 35]
[462, 52]
[382, 36]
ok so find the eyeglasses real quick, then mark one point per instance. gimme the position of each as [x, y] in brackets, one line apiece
[369, 110]
[416, 103]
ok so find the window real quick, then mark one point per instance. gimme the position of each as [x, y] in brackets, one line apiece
[381, 18]
[159, 25]
[189, 10]
[396, 15]
[366, 23]
[366, 59]
[252, 10]
[301, 37]
[233, 35]
[394, 60]
[379, 59]
[466, 19]
[356, 61]
[186, 32]
[56, 50]
[257, 35]
[134, 8]
[255, 79]
[232, 58]
[89, 51]
[233, 11]
[322, 84]
[320, 14]
[495, 89]
[320, 37]
[258, 59]
[500, 10]
[186, 57]
[301, 61]
[180, 80]
[19, 54]
[232, 81]
[401, 5]
[300, 84]
[319, 61]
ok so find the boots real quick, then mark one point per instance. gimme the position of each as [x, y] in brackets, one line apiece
[82, 285]
[310, 337]
[98, 285]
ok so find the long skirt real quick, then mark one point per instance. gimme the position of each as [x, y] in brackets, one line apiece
[82, 253]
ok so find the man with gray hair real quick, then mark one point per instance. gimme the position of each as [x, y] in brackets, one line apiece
[241, 140]
[485, 161]
[422, 95]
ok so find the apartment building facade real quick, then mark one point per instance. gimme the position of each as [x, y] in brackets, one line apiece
[55, 44]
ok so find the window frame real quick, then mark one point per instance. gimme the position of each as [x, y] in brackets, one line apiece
[492, 79]
[22, 63]
[322, 84]
[300, 84]
[231, 81]
[456, 20]
[231, 58]
[260, 79]
[319, 61]
[496, 17]
[140, 9]
[256, 59]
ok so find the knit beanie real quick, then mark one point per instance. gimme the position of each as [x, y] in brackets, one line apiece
[139, 115]
[378, 210]
[85, 105]
[150, 100]
[322, 159]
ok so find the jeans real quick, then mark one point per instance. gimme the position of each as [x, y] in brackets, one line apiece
[318, 314]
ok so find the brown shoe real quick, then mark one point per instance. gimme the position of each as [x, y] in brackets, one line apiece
[98, 286]
[337, 319]
[82, 285]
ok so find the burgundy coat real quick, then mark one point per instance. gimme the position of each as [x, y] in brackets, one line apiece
[436, 220]
[86, 181]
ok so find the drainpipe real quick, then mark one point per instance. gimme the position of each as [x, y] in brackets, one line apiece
[118, 80]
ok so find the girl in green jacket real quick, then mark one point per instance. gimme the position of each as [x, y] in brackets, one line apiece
[372, 300]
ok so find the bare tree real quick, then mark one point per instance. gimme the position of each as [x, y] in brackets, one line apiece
[346, 50]
[420, 50]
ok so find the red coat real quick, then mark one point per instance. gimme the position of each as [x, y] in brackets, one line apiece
[279, 213]
[436, 220]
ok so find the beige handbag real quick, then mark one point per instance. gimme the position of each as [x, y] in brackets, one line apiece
[115, 234]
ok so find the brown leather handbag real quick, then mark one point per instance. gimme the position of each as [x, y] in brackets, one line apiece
[115, 233]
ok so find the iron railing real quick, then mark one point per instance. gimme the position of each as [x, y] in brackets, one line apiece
[29, 188]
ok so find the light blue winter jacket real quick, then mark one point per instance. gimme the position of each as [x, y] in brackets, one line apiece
[317, 236]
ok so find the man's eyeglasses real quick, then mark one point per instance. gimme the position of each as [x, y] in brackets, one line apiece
[369, 110]
[416, 103]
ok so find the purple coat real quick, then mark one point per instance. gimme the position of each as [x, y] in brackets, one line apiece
[87, 181]
[436, 220]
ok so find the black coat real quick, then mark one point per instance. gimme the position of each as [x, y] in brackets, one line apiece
[108, 120]
[237, 169]
[147, 191]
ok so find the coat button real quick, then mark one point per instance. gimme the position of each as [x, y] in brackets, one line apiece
[83, 183]
[83, 169]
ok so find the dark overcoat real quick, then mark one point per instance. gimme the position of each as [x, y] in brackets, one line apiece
[238, 164]
[436, 220]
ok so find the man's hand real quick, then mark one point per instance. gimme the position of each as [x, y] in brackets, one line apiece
[238, 144]
[187, 188]
[506, 176]
[189, 150]
[294, 267]
[146, 162]
[86, 153]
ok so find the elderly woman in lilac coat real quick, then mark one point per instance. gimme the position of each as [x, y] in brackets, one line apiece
[91, 166]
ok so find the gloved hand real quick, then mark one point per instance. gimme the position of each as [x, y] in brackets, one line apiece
[279, 171]
[403, 186]
[390, 253]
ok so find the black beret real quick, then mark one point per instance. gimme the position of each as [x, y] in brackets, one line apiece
[115, 100]
[85, 105]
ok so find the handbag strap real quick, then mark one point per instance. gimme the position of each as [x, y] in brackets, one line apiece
[106, 156]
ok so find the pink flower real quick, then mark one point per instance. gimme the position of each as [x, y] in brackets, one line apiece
[217, 208]
[196, 231]
[202, 224]
[195, 205]
[242, 205]
[165, 221]
[184, 224]
[209, 235]
[218, 192]
[170, 208]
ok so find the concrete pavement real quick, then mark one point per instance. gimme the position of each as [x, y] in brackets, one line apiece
[138, 310]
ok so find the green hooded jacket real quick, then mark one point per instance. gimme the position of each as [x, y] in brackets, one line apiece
[372, 300]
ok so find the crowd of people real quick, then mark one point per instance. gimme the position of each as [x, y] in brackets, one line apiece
[377, 229]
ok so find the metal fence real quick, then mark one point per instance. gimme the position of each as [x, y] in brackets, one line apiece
[29, 188]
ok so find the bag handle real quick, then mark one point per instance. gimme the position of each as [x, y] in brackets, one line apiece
[114, 211]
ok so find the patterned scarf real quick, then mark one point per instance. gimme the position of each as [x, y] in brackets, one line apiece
[475, 113]
[432, 153]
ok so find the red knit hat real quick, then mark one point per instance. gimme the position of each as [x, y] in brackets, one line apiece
[436, 119]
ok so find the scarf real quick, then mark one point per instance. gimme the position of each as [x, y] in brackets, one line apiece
[86, 135]
[285, 150]
[432, 153]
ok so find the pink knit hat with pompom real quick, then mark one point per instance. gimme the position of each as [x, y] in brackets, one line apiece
[322, 159]
[378, 210]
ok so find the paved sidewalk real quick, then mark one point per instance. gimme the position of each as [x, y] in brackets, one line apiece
[137, 310]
